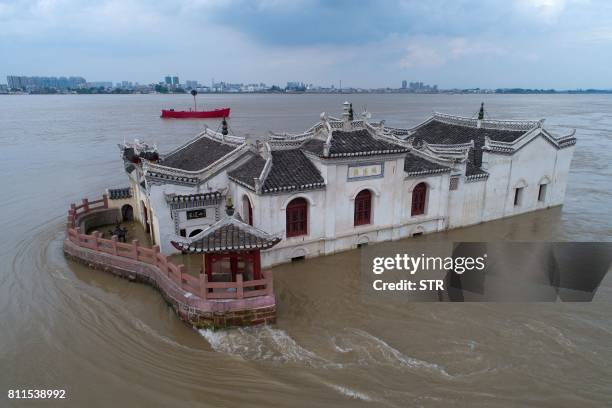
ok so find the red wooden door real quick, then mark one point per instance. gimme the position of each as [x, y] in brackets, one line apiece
[363, 208]
[419, 195]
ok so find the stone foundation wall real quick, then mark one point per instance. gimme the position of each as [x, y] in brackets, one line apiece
[197, 312]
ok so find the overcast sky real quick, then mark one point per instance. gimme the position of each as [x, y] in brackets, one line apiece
[455, 43]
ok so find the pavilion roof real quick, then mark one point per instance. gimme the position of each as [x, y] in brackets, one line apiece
[229, 234]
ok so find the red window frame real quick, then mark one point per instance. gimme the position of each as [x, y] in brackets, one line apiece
[419, 196]
[297, 218]
[363, 208]
[249, 212]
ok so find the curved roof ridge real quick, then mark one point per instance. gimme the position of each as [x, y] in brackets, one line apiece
[261, 179]
[229, 233]
[431, 156]
[220, 137]
[501, 124]
[418, 164]
[210, 134]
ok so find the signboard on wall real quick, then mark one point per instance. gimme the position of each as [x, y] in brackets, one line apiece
[365, 171]
[193, 214]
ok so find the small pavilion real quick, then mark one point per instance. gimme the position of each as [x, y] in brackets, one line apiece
[229, 247]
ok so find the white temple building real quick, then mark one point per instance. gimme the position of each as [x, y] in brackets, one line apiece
[345, 182]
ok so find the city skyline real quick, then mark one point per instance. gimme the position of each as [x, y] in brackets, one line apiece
[172, 84]
[562, 44]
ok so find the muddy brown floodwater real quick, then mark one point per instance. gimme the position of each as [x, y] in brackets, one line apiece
[110, 342]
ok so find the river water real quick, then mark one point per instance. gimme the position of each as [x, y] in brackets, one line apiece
[110, 342]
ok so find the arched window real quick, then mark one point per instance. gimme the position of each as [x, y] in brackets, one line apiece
[297, 217]
[363, 208]
[419, 196]
[247, 210]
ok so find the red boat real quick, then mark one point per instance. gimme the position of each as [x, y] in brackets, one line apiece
[195, 113]
[216, 113]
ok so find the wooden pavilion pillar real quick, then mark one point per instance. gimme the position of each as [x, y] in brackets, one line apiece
[207, 265]
[233, 265]
[255, 256]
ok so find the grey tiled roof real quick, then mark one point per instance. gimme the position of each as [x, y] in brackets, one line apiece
[197, 155]
[353, 143]
[248, 171]
[291, 170]
[472, 172]
[228, 234]
[437, 132]
[314, 146]
[416, 165]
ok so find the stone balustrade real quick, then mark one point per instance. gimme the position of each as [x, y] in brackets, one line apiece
[250, 302]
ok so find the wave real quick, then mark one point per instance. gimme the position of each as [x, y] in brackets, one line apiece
[369, 349]
[262, 343]
[350, 393]
[352, 347]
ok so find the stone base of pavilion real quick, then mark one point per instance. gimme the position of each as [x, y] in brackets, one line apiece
[191, 308]
[198, 302]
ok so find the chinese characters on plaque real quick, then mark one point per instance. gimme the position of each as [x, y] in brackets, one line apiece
[362, 171]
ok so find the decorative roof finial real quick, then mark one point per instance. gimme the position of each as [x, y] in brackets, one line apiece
[229, 206]
[350, 112]
[224, 131]
[481, 111]
[345, 110]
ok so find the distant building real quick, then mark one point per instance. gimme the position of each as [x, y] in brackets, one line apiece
[168, 80]
[420, 87]
[100, 84]
[175, 80]
[191, 84]
[36, 83]
[404, 84]
[3, 89]
[295, 86]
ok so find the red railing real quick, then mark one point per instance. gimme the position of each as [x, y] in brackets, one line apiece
[199, 285]
[77, 210]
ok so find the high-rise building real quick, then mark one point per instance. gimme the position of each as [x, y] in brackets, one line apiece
[175, 80]
[191, 84]
[404, 84]
[168, 80]
[100, 84]
[35, 83]
[295, 86]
